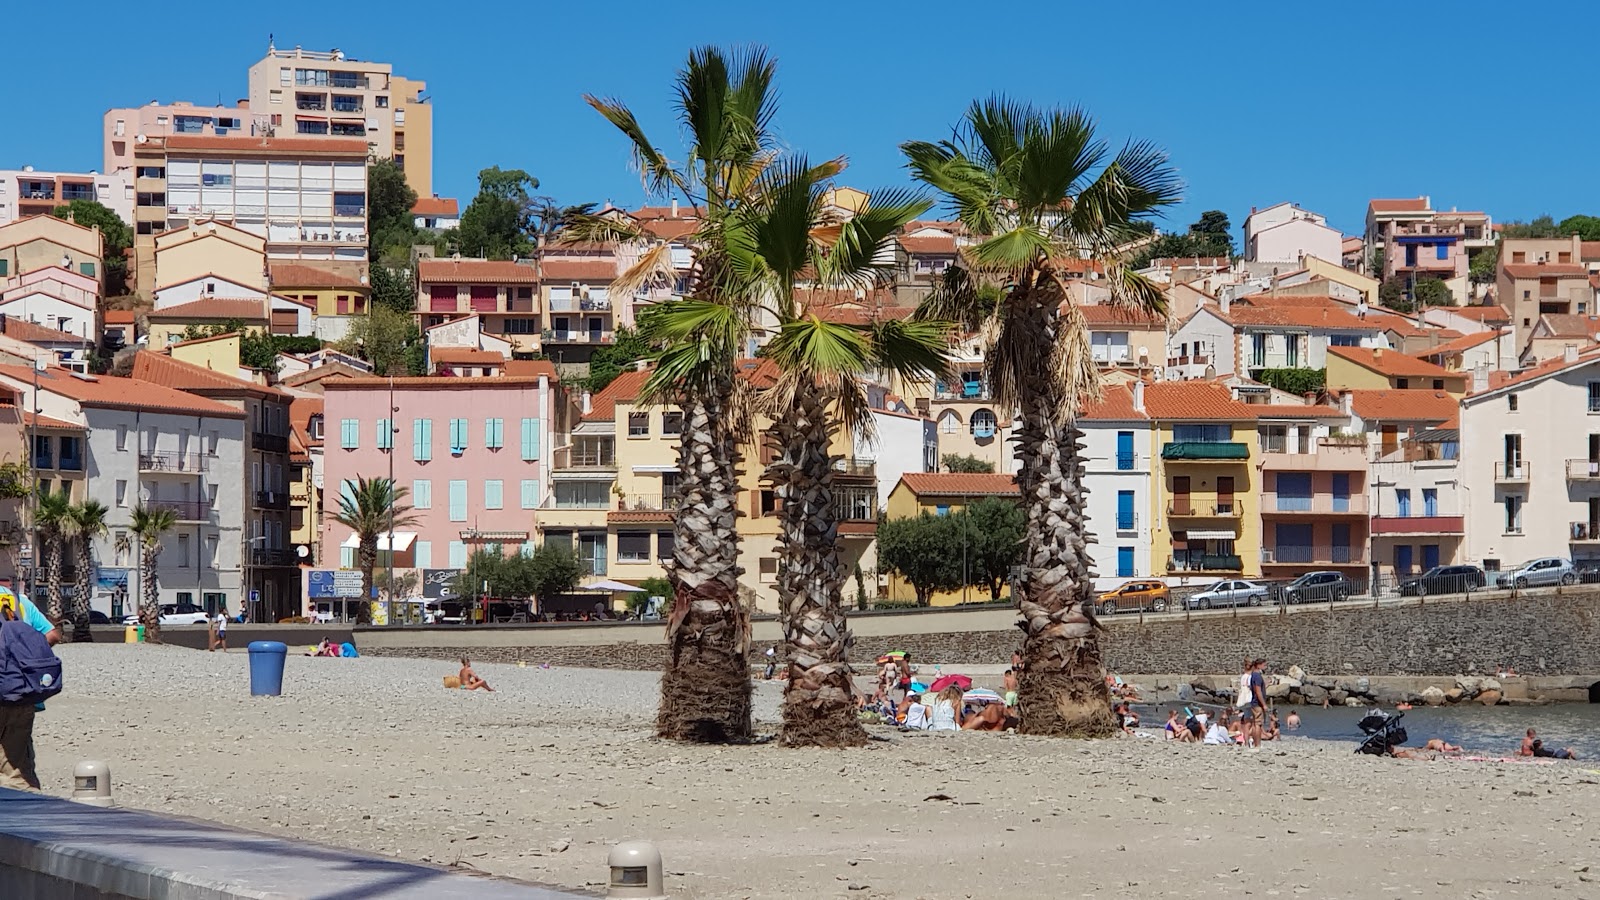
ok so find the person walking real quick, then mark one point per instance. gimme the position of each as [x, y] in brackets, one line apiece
[220, 639]
[16, 719]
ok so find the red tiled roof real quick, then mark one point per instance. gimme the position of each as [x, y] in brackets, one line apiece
[1589, 250]
[1419, 204]
[761, 373]
[306, 146]
[474, 271]
[625, 388]
[960, 484]
[1465, 342]
[1295, 411]
[158, 368]
[1545, 270]
[579, 270]
[301, 409]
[466, 356]
[1115, 405]
[944, 244]
[120, 393]
[119, 316]
[1186, 400]
[1402, 405]
[1499, 379]
[214, 308]
[1391, 362]
[30, 420]
[226, 335]
[532, 368]
[666, 212]
[669, 229]
[1488, 315]
[288, 274]
[1101, 314]
[1570, 325]
[1295, 314]
[34, 333]
[435, 206]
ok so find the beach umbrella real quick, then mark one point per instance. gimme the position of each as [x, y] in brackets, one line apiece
[982, 695]
[892, 654]
[961, 681]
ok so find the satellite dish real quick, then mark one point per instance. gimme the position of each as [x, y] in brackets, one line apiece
[302, 551]
[139, 139]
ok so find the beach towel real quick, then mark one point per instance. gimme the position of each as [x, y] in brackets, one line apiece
[348, 650]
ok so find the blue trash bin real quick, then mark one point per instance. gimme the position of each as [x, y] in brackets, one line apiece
[266, 667]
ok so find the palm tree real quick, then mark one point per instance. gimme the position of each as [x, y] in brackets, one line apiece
[85, 524]
[1037, 186]
[52, 516]
[726, 102]
[150, 524]
[372, 507]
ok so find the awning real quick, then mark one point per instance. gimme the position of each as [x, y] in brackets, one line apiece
[614, 586]
[404, 538]
[641, 470]
[1213, 536]
[1437, 436]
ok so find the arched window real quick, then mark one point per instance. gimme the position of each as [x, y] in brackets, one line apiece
[983, 424]
[949, 421]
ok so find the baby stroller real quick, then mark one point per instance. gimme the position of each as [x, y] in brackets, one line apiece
[1383, 733]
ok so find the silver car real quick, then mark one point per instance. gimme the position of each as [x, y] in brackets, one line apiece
[1229, 593]
[1543, 572]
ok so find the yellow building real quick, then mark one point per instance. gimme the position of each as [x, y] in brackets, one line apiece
[330, 293]
[1205, 505]
[1375, 368]
[219, 353]
[167, 326]
[940, 494]
[40, 242]
[1338, 274]
[196, 251]
[305, 473]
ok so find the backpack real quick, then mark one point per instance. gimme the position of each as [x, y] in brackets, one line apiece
[30, 672]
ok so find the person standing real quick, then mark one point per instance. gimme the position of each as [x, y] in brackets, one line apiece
[221, 640]
[1258, 701]
[16, 719]
[772, 662]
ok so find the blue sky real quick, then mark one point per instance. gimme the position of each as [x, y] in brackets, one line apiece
[1257, 102]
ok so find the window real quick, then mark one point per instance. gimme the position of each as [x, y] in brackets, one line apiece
[458, 500]
[638, 424]
[122, 492]
[422, 554]
[1124, 451]
[458, 555]
[1402, 501]
[1124, 562]
[421, 494]
[1202, 434]
[530, 493]
[385, 434]
[349, 204]
[347, 557]
[983, 424]
[148, 198]
[1402, 383]
[633, 546]
[1344, 340]
[183, 551]
[216, 179]
[769, 568]
[494, 433]
[1594, 392]
[1430, 501]
[530, 439]
[943, 509]
[43, 457]
[305, 126]
[313, 427]
[422, 439]
[1125, 516]
[494, 494]
[349, 433]
[672, 423]
[458, 436]
[71, 453]
[665, 546]
[1442, 251]
[1513, 507]
[381, 101]
[1438, 384]
[949, 422]
[1511, 402]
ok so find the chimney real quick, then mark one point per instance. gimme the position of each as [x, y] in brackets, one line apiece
[1345, 403]
[587, 403]
[641, 365]
[1569, 354]
[1138, 394]
[1225, 299]
[1377, 354]
[674, 207]
[1480, 378]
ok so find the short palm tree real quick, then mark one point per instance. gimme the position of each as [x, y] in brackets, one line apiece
[1036, 187]
[373, 506]
[52, 517]
[149, 525]
[85, 525]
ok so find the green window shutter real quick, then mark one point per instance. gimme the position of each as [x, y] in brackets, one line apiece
[86, 268]
[5, 266]
[421, 494]
[494, 495]
[349, 433]
[494, 433]
[423, 552]
[530, 439]
[385, 434]
[422, 440]
[458, 435]
[530, 493]
[458, 501]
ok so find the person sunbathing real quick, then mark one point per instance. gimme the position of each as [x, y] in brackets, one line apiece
[991, 717]
[1540, 750]
[470, 680]
[1441, 745]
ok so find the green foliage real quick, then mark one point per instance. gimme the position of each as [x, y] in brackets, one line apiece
[388, 339]
[1210, 236]
[1392, 293]
[115, 233]
[611, 360]
[394, 288]
[1294, 381]
[994, 531]
[492, 227]
[977, 546]
[297, 344]
[16, 480]
[1482, 266]
[652, 587]
[956, 462]
[509, 184]
[1425, 292]
[391, 229]
[1541, 227]
[1585, 227]
[1213, 221]
[1432, 292]
[1375, 265]
[554, 570]
[546, 572]
[257, 348]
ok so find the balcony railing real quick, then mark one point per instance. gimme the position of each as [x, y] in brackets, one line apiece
[578, 337]
[1583, 470]
[1317, 504]
[1511, 472]
[855, 466]
[265, 557]
[269, 443]
[1585, 532]
[967, 390]
[182, 463]
[272, 499]
[185, 510]
[1401, 525]
[315, 103]
[70, 463]
[1182, 510]
[586, 456]
[1206, 562]
[1198, 359]
[1129, 522]
[1313, 555]
[574, 304]
[1195, 451]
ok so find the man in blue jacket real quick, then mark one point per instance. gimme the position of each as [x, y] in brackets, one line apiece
[16, 719]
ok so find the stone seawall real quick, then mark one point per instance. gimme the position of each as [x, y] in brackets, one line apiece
[1553, 632]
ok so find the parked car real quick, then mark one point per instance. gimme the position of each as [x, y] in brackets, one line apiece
[1444, 580]
[1229, 593]
[175, 614]
[1542, 572]
[1314, 586]
[1135, 595]
[1589, 573]
[96, 617]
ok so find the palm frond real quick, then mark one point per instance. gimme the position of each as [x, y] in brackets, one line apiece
[994, 132]
[1133, 187]
[1012, 250]
[699, 340]
[959, 297]
[969, 189]
[812, 354]
[654, 168]
[855, 253]
[752, 101]
[653, 267]
[1060, 149]
[598, 228]
[913, 350]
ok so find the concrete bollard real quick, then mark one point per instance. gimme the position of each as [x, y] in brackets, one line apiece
[91, 783]
[635, 872]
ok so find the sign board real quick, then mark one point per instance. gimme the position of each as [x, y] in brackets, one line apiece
[255, 596]
[436, 583]
[333, 584]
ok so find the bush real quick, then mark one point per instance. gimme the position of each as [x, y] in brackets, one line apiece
[294, 620]
[886, 603]
[1295, 381]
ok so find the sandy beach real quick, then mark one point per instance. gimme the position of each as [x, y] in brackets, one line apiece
[537, 779]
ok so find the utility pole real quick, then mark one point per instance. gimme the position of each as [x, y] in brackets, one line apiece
[393, 497]
[33, 513]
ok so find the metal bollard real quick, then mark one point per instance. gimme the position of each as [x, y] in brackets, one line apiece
[635, 872]
[91, 783]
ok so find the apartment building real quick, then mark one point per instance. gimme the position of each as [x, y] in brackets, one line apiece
[474, 454]
[1285, 233]
[46, 242]
[963, 408]
[504, 296]
[1206, 493]
[1542, 276]
[305, 478]
[1119, 456]
[1418, 241]
[30, 192]
[326, 94]
[161, 447]
[54, 297]
[1124, 337]
[1377, 369]
[1314, 510]
[941, 494]
[923, 252]
[575, 286]
[271, 576]
[125, 128]
[1418, 505]
[1262, 331]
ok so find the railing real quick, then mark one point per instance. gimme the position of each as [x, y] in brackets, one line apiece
[174, 462]
[1206, 451]
[1127, 462]
[72, 192]
[185, 510]
[648, 502]
[1514, 472]
[573, 304]
[1314, 555]
[576, 457]
[44, 460]
[1198, 359]
[1585, 532]
[1216, 510]
[1418, 525]
[1206, 562]
[70, 464]
[579, 337]
[264, 557]
[850, 465]
[1583, 470]
[272, 499]
[1129, 522]
[269, 443]
[349, 210]
[1316, 504]
[971, 390]
[346, 106]
[317, 103]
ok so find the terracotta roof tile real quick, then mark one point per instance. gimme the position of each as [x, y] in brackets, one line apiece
[435, 206]
[1589, 250]
[1418, 204]
[300, 275]
[474, 271]
[666, 212]
[120, 316]
[30, 420]
[1402, 405]
[1295, 411]
[465, 356]
[1299, 313]
[944, 244]
[625, 388]
[1187, 400]
[1115, 405]
[1100, 314]
[1545, 270]
[326, 146]
[761, 373]
[1500, 379]
[532, 368]
[1465, 342]
[34, 333]
[670, 229]
[1392, 363]
[301, 409]
[579, 270]
[1485, 314]
[158, 368]
[214, 308]
[960, 484]
[1570, 325]
[120, 393]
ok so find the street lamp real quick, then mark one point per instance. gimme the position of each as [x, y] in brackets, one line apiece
[249, 550]
[394, 430]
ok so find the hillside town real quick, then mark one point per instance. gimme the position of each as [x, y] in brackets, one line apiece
[236, 322]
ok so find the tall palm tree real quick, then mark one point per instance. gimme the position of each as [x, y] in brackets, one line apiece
[149, 525]
[725, 101]
[1038, 186]
[372, 508]
[85, 524]
[52, 516]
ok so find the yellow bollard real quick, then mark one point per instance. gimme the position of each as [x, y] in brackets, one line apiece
[130, 634]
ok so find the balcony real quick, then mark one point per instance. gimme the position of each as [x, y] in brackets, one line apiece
[855, 467]
[72, 463]
[185, 510]
[578, 337]
[1127, 524]
[1274, 504]
[1220, 563]
[1197, 359]
[37, 190]
[1340, 457]
[1511, 472]
[264, 557]
[966, 390]
[575, 304]
[70, 192]
[1587, 533]
[269, 443]
[1193, 451]
[173, 463]
[311, 103]
[1188, 509]
[1583, 470]
[272, 499]
[1314, 556]
[1400, 526]
[599, 456]
[645, 508]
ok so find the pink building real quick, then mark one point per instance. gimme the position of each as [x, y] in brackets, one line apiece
[473, 453]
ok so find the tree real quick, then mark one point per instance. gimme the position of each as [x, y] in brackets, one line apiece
[388, 339]
[508, 184]
[649, 587]
[1034, 186]
[1210, 236]
[85, 523]
[393, 288]
[1213, 221]
[149, 525]
[995, 527]
[391, 227]
[1540, 227]
[52, 515]
[553, 570]
[114, 233]
[1483, 266]
[1424, 291]
[1294, 381]
[371, 507]
[1584, 226]
[499, 222]
[1432, 292]
[611, 360]
[925, 551]
[956, 462]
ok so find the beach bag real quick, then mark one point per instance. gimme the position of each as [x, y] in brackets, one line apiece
[30, 672]
[1244, 697]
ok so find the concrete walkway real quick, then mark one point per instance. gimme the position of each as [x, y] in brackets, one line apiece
[53, 848]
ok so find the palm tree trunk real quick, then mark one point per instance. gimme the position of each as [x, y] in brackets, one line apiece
[150, 596]
[705, 686]
[55, 606]
[82, 592]
[367, 557]
[818, 699]
[1062, 690]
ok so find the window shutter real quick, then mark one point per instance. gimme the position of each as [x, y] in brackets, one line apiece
[494, 433]
[458, 555]
[423, 553]
[458, 501]
[530, 439]
[349, 433]
[422, 494]
[385, 434]
[458, 435]
[530, 494]
[494, 495]
[422, 440]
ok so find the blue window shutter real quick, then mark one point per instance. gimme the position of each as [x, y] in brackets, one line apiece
[1124, 450]
[1402, 501]
[530, 493]
[421, 494]
[423, 552]
[530, 439]
[1430, 501]
[1443, 252]
[422, 440]
[349, 433]
[458, 435]
[458, 501]
[494, 494]
[1124, 562]
[385, 434]
[1125, 510]
[494, 433]
[458, 555]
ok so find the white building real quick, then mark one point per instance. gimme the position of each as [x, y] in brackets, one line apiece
[904, 442]
[287, 315]
[153, 445]
[28, 192]
[1119, 442]
[1261, 331]
[1284, 233]
[54, 297]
